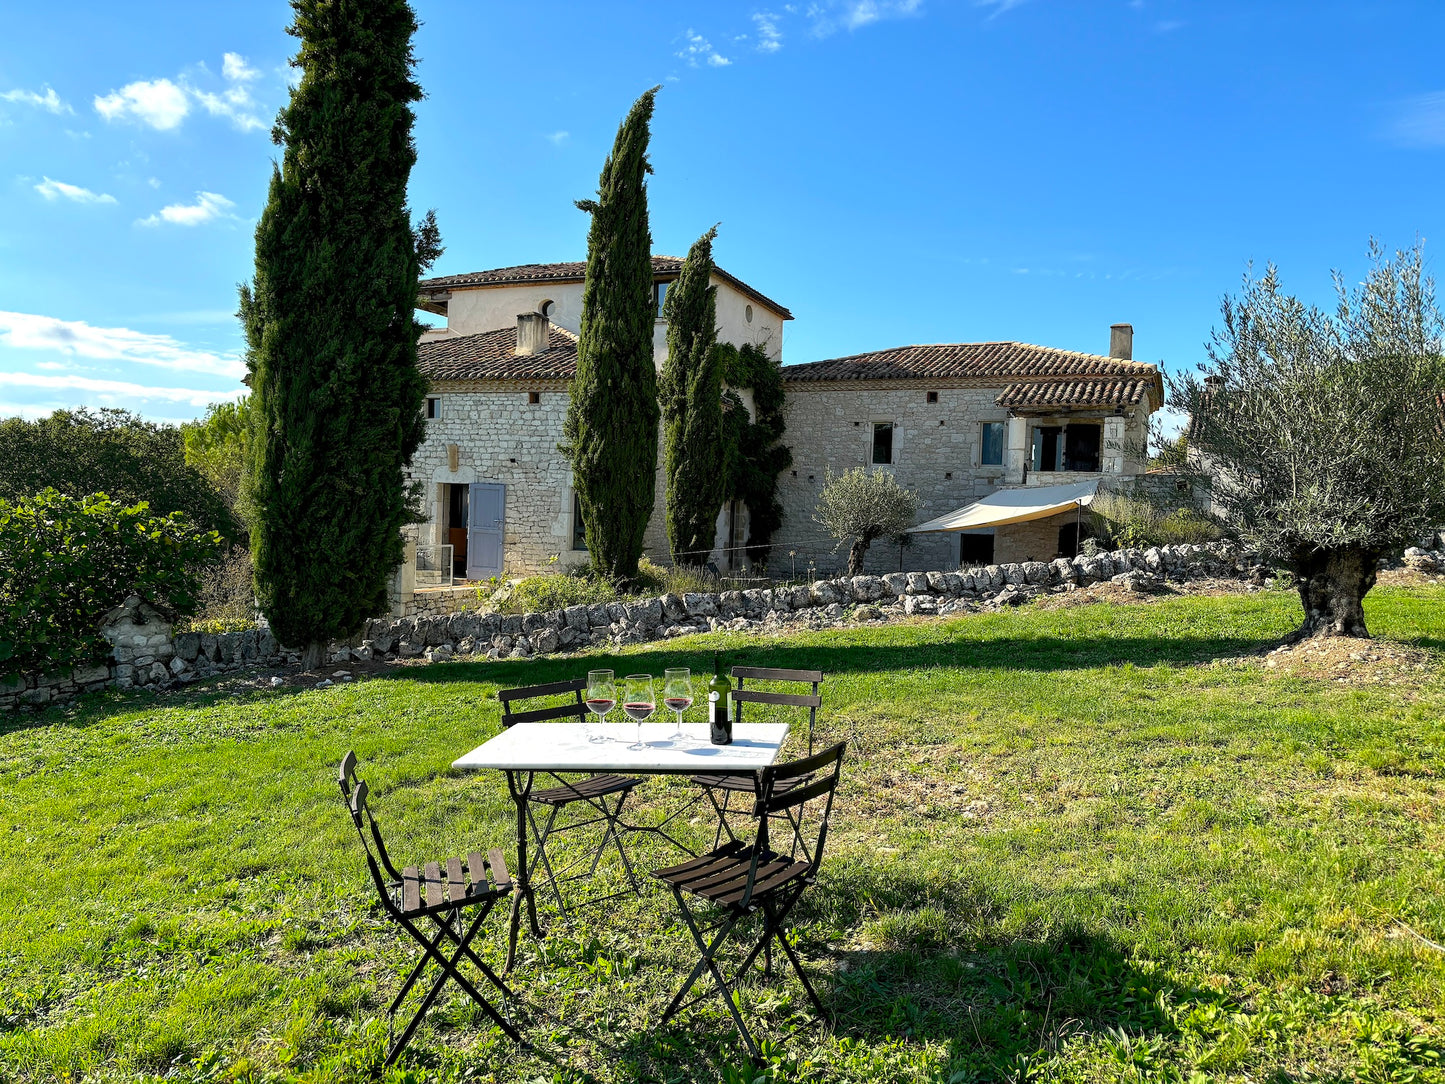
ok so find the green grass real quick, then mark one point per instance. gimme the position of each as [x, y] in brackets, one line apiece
[1071, 845]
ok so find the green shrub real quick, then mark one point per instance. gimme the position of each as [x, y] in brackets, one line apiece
[1121, 521]
[556, 591]
[66, 561]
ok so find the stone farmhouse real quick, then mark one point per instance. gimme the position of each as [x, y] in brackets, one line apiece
[953, 422]
[497, 489]
[956, 422]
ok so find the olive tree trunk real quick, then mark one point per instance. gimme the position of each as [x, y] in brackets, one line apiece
[856, 553]
[1332, 588]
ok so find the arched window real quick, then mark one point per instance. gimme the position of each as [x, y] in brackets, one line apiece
[546, 307]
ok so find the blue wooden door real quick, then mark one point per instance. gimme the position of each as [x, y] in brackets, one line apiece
[488, 510]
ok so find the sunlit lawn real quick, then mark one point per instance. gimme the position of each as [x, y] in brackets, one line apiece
[1070, 845]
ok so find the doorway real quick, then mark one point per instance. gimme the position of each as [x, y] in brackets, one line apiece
[486, 517]
[456, 526]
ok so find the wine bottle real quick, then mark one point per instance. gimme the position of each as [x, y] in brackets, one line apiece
[719, 712]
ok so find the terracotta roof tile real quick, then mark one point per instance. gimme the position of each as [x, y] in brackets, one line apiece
[662, 266]
[1032, 375]
[1096, 391]
[492, 355]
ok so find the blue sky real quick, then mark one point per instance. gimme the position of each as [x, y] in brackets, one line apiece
[895, 171]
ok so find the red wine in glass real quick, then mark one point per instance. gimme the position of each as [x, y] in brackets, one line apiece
[677, 703]
[638, 712]
[600, 706]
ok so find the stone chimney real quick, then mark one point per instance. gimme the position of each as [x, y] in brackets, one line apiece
[534, 332]
[1121, 341]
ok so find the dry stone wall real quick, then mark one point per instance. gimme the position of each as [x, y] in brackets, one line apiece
[145, 654]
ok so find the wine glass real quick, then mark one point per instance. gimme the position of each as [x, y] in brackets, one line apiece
[677, 695]
[601, 699]
[639, 702]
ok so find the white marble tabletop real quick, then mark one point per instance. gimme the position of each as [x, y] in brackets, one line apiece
[563, 747]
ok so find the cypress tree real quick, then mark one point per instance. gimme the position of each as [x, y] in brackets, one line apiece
[330, 328]
[611, 429]
[692, 416]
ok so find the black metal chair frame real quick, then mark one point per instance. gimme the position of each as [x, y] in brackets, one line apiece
[595, 791]
[409, 894]
[745, 879]
[728, 785]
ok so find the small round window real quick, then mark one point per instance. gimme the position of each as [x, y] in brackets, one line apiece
[545, 308]
[748, 314]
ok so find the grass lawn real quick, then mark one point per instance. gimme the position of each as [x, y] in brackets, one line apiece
[1076, 844]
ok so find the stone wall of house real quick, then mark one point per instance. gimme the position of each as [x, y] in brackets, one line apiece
[500, 436]
[937, 453]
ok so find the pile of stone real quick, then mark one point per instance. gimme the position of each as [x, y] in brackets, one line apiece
[1419, 559]
[825, 602]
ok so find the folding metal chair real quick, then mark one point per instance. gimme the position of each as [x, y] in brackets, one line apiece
[439, 896]
[743, 879]
[604, 795]
[728, 785]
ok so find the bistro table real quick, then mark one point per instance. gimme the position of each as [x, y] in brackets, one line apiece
[528, 748]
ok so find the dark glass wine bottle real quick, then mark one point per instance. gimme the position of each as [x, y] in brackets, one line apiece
[719, 712]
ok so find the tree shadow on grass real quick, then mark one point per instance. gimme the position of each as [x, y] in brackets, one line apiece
[939, 973]
[1020, 654]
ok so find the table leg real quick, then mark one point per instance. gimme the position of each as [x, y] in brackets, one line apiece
[521, 790]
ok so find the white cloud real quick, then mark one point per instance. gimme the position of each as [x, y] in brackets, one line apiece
[158, 103]
[235, 69]
[770, 38]
[698, 50]
[53, 190]
[1419, 122]
[163, 104]
[208, 207]
[557, 138]
[115, 389]
[999, 6]
[49, 101]
[77, 339]
[826, 17]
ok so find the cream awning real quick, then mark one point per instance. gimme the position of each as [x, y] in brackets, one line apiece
[1017, 505]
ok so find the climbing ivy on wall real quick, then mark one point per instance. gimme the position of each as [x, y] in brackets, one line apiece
[755, 455]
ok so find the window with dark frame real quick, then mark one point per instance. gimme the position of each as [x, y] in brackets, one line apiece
[579, 529]
[991, 453]
[534, 397]
[882, 442]
[933, 397]
[659, 295]
[433, 408]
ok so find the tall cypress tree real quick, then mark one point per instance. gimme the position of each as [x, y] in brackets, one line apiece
[330, 326]
[610, 435]
[692, 419]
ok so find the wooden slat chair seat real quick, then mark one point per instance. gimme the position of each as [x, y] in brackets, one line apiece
[593, 791]
[596, 786]
[729, 785]
[743, 879]
[439, 892]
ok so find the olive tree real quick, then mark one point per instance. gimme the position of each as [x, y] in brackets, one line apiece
[864, 507]
[1321, 432]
